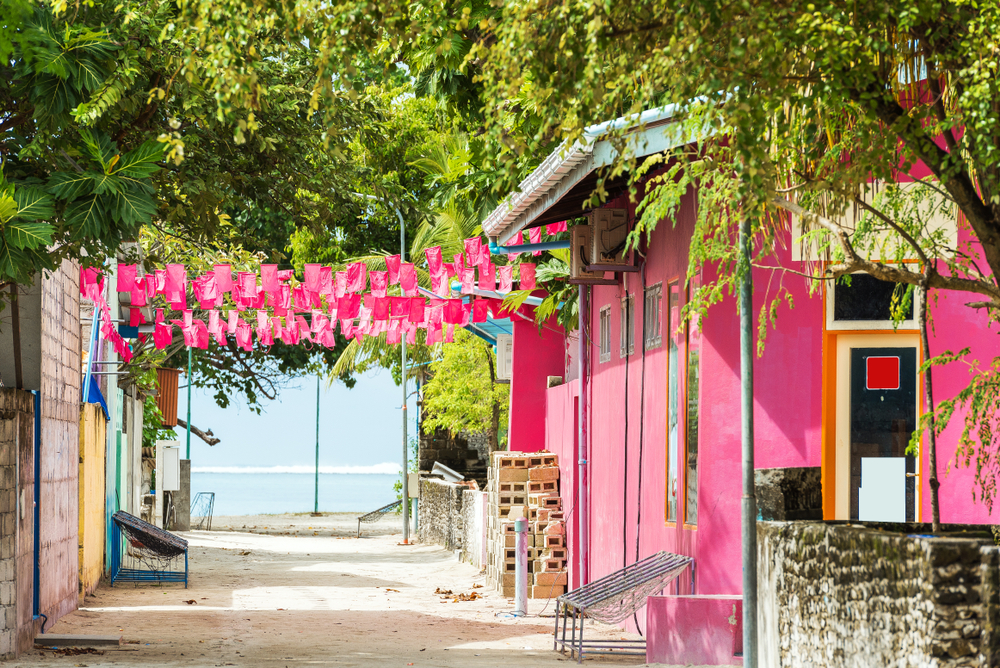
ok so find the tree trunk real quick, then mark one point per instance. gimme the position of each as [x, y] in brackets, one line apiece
[933, 481]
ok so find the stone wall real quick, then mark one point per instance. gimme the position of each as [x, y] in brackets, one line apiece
[93, 428]
[60, 442]
[834, 594]
[789, 494]
[17, 449]
[441, 517]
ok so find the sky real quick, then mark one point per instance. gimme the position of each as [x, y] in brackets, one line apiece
[358, 427]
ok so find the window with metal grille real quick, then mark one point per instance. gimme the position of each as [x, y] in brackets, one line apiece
[651, 331]
[605, 333]
[627, 346]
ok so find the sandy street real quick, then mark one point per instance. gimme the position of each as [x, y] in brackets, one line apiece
[290, 590]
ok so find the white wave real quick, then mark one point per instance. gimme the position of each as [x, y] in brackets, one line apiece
[384, 469]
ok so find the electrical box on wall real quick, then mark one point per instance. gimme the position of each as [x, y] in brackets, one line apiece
[609, 228]
[505, 356]
[579, 256]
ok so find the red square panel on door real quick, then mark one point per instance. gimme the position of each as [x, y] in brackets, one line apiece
[882, 373]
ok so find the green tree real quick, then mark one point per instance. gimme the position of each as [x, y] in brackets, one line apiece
[462, 393]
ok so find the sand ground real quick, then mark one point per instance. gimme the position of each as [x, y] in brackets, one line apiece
[289, 590]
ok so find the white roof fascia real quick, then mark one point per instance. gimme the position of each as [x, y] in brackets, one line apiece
[565, 167]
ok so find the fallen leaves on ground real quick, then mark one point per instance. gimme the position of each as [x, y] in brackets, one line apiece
[70, 651]
[191, 602]
[445, 592]
[466, 597]
[245, 553]
[477, 586]
[395, 590]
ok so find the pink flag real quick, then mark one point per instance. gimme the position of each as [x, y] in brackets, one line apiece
[176, 281]
[393, 335]
[399, 306]
[285, 274]
[459, 262]
[453, 312]
[555, 228]
[162, 335]
[527, 276]
[468, 280]
[138, 297]
[535, 237]
[472, 251]
[438, 282]
[234, 320]
[126, 277]
[269, 277]
[381, 309]
[340, 285]
[243, 336]
[449, 333]
[450, 269]
[514, 241]
[411, 336]
[433, 260]
[326, 281]
[392, 266]
[488, 277]
[506, 277]
[479, 308]
[408, 279]
[347, 327]
[356, 276]
[416, 313]
[379, 281]
[135, 317]
[466, 314]
[311, 277]
[223, 277]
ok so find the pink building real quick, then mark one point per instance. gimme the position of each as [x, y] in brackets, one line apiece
[836, 397]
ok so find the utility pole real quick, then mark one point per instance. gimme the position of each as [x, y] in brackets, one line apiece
[749, 501]
[188, 428]
[405, 472]
[316, 493]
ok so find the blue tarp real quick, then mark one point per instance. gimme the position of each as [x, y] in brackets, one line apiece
[97, 398]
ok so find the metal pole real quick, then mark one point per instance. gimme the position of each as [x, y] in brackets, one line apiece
[749, 502]
[581, 445]
[188, 428]
[521, 567]
[316, 485]
[405, 472]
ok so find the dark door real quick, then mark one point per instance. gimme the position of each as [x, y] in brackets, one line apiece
[883, 413]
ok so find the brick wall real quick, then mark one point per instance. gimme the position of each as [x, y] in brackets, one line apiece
[17, 447]
[833, 594]
[60, 442]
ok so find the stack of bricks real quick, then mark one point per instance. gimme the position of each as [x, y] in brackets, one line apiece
[526, 485]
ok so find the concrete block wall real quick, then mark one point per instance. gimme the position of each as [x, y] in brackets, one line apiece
[60, 442]
[844, 595]
[17, 449]
[474, 527]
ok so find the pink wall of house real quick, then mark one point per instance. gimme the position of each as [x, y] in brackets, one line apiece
[538, 354]
[560, 438]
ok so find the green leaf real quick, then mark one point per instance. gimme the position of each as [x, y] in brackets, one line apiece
[33, 203]
[70, 185]
[12, 261]
[99, 146]
[141, 161]
[8, 207]
[87, 216]
[133, 205]
[28, 235]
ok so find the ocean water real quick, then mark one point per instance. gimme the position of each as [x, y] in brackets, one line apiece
[284, 489]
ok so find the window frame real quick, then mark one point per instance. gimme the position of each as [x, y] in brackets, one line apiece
[627, 316]
[689, 331]
[604, 334]
[680, 341]
[656, 340]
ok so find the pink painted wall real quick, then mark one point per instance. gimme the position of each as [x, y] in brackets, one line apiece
[694, 630]
[538, 354]
[560, 438]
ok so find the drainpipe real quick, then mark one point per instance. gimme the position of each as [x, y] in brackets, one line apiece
[749, 501]
[583, 531]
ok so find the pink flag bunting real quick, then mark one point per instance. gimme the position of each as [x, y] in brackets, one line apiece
[392, 266]
[527, 276]
[408, 279]
[506, 277]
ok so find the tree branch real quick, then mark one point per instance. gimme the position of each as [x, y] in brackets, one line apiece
[206, 436]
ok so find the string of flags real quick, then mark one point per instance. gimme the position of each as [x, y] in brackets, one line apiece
[272, 304]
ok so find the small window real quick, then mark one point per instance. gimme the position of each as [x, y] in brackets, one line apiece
[693, 374]
[651, 332]
[605, 332]
[627, 346]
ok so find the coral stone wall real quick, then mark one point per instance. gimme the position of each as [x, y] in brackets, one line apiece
[834, 594]
[441, 516]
